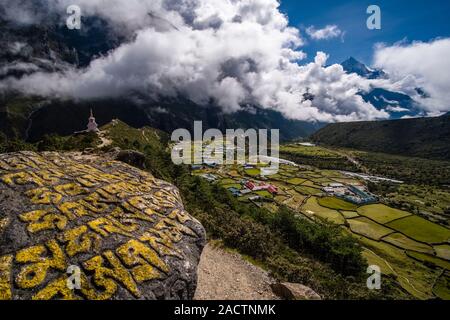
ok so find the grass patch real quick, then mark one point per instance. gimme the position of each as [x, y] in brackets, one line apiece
[427, 259]
[296, 181]
[236, 186]
[322, 181]
[421, 230]
[443, 251]
[412, 275]
[381, 213]
[264, 194]
[337, 204]
[350, 214]
[374, 259]
[252, 172]
[406, 243]
[368, 228]
[442, 287]
[313, 209]
[309, 191]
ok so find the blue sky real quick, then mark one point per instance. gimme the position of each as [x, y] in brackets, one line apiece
[401, 19]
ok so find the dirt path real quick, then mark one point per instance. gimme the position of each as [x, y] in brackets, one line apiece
[105, 141]
[223, 275]
[358, 164]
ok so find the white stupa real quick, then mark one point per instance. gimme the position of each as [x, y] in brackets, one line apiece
[92, 125]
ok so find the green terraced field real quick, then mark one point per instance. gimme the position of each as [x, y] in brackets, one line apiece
[264, 194]
[374, 259]
[308, 190]
[368, 228]
[400, 240]
[227, 181]
[413, 275]
[312, 209]
[429, 259]
[350, 214]
[337, 204]
[411, 248]
[235, 185]
[442, 287]
[443, 251]
[296, 181]
[253, 172]
[421, 230]
[381, 213]
[309, 183]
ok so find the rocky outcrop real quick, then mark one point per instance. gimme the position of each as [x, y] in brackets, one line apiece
[133, 158]
[294, 291]
[78, 226]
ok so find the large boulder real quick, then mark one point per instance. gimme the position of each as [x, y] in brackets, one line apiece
[294, 291]
[76, 226]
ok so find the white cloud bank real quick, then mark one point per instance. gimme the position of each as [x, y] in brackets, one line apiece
[232, 52]
[326, 33]
[420, 65]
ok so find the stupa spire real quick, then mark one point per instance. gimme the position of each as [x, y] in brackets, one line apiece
[92, 125]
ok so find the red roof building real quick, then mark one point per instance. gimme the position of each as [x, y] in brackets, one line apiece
[250, 185]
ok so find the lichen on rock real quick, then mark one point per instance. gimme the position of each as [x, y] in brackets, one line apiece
[126, 232]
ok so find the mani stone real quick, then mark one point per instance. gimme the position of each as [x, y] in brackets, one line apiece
[76, 226]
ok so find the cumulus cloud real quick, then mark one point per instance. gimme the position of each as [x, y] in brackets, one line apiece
[420, 65]
[326, 33]
[234, 53]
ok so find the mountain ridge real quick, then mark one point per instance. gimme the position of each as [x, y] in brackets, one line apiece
[418, 137]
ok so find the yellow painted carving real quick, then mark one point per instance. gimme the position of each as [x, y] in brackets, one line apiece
[49, 177]
[137, 255]
[5, 277]
[120, 189]
[3, 223]
[180, 216]
[160, 242]
[38, 264]
[40, 220]
[21, 178]
[43, 196]
[105, 277]
[149, 215]
[106, 226]
[92, 202]
[14, 164]
[71, 189]
[72, 210]
[139, 203]
[4, 166]
[107, 197]
[167, 199]
[80, 240]
[174, 228]
[56, 289]
[89, 181]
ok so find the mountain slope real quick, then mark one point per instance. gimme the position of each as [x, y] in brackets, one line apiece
[32, 118]
[421, 137]
[397, 104]
[352, 65]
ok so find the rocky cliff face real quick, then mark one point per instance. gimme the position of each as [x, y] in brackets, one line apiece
[82, 227]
